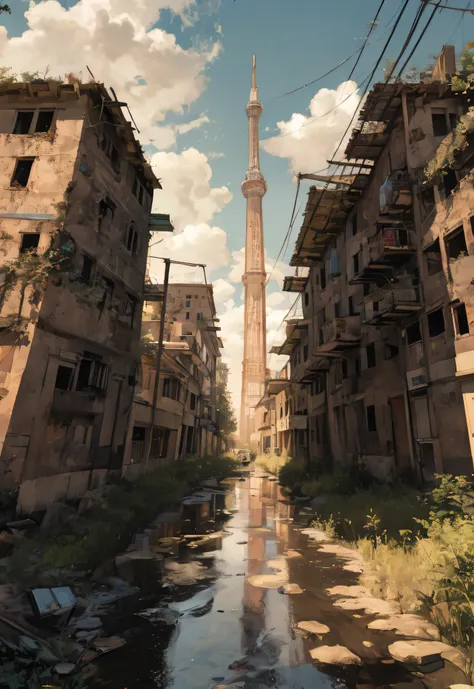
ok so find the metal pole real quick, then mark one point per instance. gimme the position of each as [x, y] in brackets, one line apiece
[159, 356]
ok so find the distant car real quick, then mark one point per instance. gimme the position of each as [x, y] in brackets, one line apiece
[244, 456]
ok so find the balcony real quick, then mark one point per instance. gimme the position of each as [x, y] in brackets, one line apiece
[152, 292]
[299, 422]
[392, 302]
[294, 283]
[388, 249]
[339, 335]
[311, 369]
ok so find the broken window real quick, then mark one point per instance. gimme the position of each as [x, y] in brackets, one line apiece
[44, 121]
[366, 287]
[450, 182]
[323, 278]
[171, 388]
[91, 375]
[337, 310]
[355, 263]
[455, 243]
[187, 315]
[130, 308]
[192, 402]
[461, 323]
[29, 242]
[371, 418]
[23, 122]
[413, 333]
[87, 269]
[22, 172]
[433, 258]
[159, 443]
[436, 322]
[106, 214]
[371, 358]
[354, 224]
[108, 292]
[131, 239]
[82, 382]
[440, 123]
[427, 198]
[64, 378]
[306, 299]
[305, 352]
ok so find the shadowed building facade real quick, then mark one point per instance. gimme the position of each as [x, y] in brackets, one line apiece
[254, 189]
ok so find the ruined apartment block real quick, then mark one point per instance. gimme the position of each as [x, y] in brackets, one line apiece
[385, 347]
[186, 420]
[74, 215]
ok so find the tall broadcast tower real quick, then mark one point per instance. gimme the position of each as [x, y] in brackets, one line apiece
[254, 189]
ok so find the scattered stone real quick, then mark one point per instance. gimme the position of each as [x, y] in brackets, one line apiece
[64, 669]
[424, 655]
[313, 627]
[89, 623]
[406, 625]
[458, 658]
[371, 606]
[353, 558]
[335, 655]
[461, 686]
[368, 644]
[292, 554]
[348, 591]
[388, 661]
[290, 589]
[57, 514]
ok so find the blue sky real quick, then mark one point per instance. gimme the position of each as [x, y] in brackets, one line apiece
[189, 61]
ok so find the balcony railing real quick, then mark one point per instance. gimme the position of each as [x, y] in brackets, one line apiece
[340, 334]
[391, 241]
[392, 301]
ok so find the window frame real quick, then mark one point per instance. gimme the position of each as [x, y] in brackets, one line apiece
[18, 161]
[34, 121]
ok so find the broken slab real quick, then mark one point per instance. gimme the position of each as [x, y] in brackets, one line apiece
[418, 652]
[290, 589]
[348, 591]
[313, 627]
[371, 606]
[406, 625]
[290, 554]
[354, 561]
[335, 655]
[315, 534]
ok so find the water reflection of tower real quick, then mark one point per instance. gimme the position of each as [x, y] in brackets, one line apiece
[253, 604]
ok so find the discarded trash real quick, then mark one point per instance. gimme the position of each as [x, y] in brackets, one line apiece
[53, 601]
[242, 542]
[220, 611]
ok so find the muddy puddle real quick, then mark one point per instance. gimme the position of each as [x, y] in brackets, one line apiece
[223, 617]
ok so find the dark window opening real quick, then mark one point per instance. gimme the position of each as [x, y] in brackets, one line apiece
[63, 378]
[138, 434]
[461, 323]
[391, 351]
[455, 244]
[187, 315]
[337, 310]
[354, 224]
[357, 366]
[436, 323]
[106, 213]
[135, 186]
[427, 198]
[23, 122]
[344, 369]
[472, 223]
[130, 308]
[29, 242]
[414, 333]
[433, 258]
[131, 240]
[355, 263]
[305, 352]
[375, 305]
[22, 172]
[453, 120]
[83, 375]
[115, 158]
[323, 278]
[450, 182]
[44, 121]
[440, 125]
[366, 289]
[192, 402]
[371, 358]
[140, 195]
[171, 388]
[87, 268]
[316, 427]
[108, 290]
[371, 418]
[306, 299]
[351, 307]
[159, 443]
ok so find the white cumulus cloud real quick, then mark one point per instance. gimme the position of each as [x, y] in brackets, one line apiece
[308, 141]
[187, 192]
[116, 40]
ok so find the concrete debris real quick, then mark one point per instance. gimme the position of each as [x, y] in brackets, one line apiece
[290, 554]
[353, 558]
[335, 655]
[313, 627]
[406, 625]
[139, 567]
[368, 644]
[371, 606]
[290, 589]
[212, 541]
[419, 655]
[348, 591]
[162, 615]
[88, 623]
[315, 535]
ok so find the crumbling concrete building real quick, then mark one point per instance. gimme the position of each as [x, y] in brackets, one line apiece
[186, 419]
[385, 347]
[74, 215]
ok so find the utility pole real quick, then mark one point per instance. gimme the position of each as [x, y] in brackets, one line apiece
[159, 353]
[159, 356]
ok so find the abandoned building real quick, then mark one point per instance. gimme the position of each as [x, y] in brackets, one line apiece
[186, 420]
[384, 350]
[75, 223]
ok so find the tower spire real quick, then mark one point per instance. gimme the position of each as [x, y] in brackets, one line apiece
[254, 189]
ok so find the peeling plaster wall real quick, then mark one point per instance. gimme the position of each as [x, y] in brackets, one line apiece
[59, 443]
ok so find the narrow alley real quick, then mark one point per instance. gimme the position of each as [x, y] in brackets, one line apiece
[226, 621]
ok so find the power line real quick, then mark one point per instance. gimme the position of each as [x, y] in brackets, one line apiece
[288, 232]
[417, 43]
[448, 7]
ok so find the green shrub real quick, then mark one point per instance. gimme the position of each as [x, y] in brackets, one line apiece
[293, 475]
